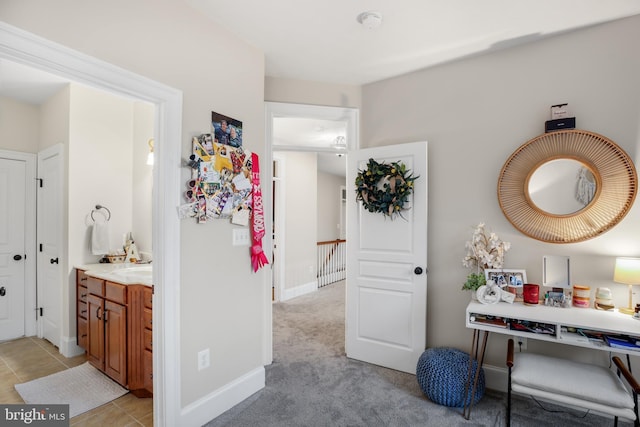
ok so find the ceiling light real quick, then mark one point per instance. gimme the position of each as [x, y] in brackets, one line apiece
[370, 20]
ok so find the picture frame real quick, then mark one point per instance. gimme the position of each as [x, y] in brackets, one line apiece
[507, 277]
[512, 280]
[226, 130]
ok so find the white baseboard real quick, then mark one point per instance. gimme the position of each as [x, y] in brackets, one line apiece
[219, 401]
[69, 348]
[299, 290]
[496, 378]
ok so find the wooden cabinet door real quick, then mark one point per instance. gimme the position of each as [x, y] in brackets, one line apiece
[148, 370]
[116, 342]
[95, 342]
[81, 309]
[83, 335]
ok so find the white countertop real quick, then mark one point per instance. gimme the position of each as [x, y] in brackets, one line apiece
[123, 273]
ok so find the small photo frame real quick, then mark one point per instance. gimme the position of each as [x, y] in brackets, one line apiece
[510, 279]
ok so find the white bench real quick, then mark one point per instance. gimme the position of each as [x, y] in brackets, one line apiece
[576, 384]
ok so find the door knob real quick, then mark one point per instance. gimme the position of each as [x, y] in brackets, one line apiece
[3, 291]
[418, 270]
[53, 260]
[17, 257]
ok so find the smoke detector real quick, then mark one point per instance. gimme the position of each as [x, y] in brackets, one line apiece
[370, 20]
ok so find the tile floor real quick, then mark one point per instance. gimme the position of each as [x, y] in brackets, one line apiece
[26, 359]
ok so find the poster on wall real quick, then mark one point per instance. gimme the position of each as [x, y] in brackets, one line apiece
[226, 131]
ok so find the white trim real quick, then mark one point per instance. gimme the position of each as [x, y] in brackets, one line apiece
[279, 229]
[30, 323]
[495, 378]
[221, 400]
[69, 347]
[28, 49]
[299, 290]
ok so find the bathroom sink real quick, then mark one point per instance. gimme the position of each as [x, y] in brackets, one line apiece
[145, 272]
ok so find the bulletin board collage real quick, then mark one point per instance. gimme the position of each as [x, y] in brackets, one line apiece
[221, 175]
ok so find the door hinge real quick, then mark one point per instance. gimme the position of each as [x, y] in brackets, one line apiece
[41, 311]
[40, 181]
[40, 247]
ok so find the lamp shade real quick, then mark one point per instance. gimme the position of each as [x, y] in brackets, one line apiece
[627, 271]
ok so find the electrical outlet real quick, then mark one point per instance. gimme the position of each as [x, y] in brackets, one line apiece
[203, 359]
[521, 343]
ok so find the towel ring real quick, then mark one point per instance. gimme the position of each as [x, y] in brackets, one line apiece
[98, 207]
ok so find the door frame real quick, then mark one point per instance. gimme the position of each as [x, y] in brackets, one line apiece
[275, 110]
[279, 198]
[29, 49]
[30, 315]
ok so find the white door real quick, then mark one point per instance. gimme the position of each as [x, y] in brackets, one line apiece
[12, 248]
[387, 262]
[49, 243]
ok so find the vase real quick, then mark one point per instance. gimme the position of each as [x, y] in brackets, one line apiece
[474, 296]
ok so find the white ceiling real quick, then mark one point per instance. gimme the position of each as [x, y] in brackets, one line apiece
[322, 40]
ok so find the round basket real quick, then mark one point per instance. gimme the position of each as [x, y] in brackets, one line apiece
[442, 376]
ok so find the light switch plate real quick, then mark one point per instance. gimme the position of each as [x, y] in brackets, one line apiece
[241, 237]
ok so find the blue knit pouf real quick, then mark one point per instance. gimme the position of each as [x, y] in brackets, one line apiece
[442, 375]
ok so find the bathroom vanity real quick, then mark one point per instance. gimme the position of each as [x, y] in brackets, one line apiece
[114, 322]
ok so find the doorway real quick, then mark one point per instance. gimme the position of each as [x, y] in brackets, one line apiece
[27, 49]
[296, 114]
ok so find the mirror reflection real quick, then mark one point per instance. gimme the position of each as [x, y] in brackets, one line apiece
[562, 186]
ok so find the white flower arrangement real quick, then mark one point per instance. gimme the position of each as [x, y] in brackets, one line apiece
[484, 250]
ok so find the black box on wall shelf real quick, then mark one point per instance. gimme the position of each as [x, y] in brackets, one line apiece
[559, 124]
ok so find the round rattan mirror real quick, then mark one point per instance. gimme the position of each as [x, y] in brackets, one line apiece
[605, 173]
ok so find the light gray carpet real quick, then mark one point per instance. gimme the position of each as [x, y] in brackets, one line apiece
[82, 387]
[312, 383]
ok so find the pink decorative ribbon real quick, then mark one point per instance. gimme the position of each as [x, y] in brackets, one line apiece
[258, 258]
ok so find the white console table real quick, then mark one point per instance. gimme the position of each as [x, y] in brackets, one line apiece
[559, 325]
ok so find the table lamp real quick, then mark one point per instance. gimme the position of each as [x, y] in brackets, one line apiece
[627, 271]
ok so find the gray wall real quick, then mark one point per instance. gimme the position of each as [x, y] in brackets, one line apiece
[474, 113]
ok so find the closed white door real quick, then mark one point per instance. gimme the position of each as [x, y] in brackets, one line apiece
[12, 248]
[387, 262]
[49, 243]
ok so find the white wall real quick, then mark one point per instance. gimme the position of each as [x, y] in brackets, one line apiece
[329, 206]
[474, 113]
[19, 126]
[314, 93]
[100, 168]
[222, 300]
[142, 220]
[301, 215]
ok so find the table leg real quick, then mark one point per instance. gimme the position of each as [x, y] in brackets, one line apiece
[475, 348]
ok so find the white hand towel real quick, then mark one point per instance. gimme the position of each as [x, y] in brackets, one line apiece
[100, 237]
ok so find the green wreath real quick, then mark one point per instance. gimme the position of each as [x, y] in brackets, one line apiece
[384, 188]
